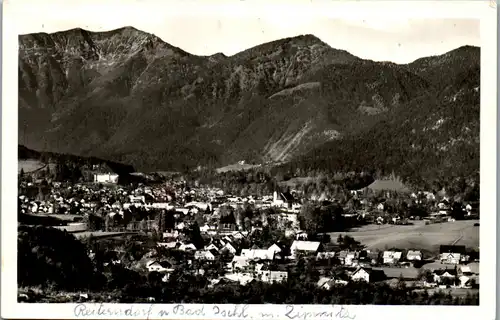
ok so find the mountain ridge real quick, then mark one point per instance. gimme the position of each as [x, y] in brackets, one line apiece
[128, 96]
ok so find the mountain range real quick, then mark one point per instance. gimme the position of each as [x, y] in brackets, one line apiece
[126, 95]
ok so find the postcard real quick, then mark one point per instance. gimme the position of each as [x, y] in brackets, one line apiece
[248, 160]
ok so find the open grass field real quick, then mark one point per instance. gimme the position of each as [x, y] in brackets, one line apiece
[31, 165]
[101, 234]
[236, 167]
[417, 236]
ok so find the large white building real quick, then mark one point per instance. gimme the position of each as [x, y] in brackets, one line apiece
[106, 178]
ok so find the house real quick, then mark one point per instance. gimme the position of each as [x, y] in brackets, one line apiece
[242, 279]
[283, 199]
[257, 254]
[180, 226]
[413, 255]
[350, 257]
[187, 247]
[238, 235]
[106, 178]
[209, 255]
[270, 275]
[441, 275]
[450, 258]
[168, 245]
[274, 249]
[451, 254]
[239, 263]
[229, 247]
[325, 255]
[307, 247]
[368, 275]
[212, 246]
[174, 234]
[342, 255]
[328, 283]
[160, 266]
[391, 257]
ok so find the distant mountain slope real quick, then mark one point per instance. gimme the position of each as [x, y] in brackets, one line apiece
[127, 96]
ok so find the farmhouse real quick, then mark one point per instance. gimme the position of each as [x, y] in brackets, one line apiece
[270, 275]
[391, 257]
[257, 254]
[368, 275]
[308, 247]
[106, 178]
[160, 266]
[206, 255]
[413, 255]
[283, 199]
[328, 283]
[451, 254]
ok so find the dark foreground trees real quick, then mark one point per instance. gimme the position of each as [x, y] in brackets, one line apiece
[49, 257]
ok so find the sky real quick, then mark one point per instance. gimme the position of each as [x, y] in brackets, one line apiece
[394, 38]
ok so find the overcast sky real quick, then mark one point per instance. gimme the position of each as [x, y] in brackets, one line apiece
[383, 39]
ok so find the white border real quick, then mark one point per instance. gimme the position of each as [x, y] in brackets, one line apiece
[482, 10]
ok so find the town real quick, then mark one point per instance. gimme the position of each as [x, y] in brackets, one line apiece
[160, 231]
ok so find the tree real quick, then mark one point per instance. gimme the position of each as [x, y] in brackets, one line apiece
[21, 174]
[457, 211]
[195, 237]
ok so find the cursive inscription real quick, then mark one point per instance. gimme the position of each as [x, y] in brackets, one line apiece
[94, 311]
[295, 312]
[83, 310]
[239, 311]
[343, 313]
[182, 310]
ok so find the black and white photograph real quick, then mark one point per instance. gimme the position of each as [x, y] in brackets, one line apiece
[248, 159]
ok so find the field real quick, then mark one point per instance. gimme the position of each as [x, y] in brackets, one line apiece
[101, 234]
[31, 165]
[236, 167]
[417, 236]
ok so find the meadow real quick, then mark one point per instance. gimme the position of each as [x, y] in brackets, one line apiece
[417, 236]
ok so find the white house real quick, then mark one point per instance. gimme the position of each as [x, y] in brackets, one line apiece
[212, 246]
[169, 245]
[325, 255]
[274, 249]
[328, 283]
[205, 255]
[160, 266]
[273, 276]
[413, 255]
[105, 178]
[187, 247]
[349, 258]
[391, 257]
[308, 247]
[367, 274]
[230, 248]
[257, 254]
[239, 263]
[450, 258]
[243, 279]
